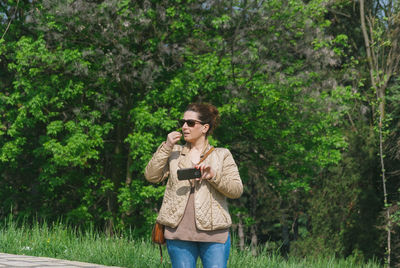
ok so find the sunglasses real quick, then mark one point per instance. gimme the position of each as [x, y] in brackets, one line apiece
[189, 122]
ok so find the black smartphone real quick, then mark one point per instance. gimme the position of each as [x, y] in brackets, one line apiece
[188, 173]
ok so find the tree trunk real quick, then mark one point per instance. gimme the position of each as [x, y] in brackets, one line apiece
[240, 232]
[109, 222]
[380, 76]
[295, 228]
[128, 179]
[285, 237]
[253, 240]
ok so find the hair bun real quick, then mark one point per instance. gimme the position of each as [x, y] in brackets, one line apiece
[208, 113]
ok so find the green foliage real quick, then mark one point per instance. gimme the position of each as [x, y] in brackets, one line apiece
[351, 216]
[70, 116]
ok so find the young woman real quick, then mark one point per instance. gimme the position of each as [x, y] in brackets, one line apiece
[195, 212]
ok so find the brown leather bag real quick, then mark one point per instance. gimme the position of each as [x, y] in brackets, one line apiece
[157, 235]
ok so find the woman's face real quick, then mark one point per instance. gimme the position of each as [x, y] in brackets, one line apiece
[192, 133]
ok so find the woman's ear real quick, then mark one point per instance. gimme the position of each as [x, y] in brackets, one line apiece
[205, 128]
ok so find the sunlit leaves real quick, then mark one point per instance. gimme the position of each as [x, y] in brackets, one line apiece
[101, 85]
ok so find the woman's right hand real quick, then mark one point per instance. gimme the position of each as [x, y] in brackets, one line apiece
[173, 138]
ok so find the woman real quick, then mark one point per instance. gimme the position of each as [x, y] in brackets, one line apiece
[195, 212]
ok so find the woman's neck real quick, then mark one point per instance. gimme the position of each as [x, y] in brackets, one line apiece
[199, 144]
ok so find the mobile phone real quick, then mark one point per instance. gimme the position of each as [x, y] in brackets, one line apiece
[188, 173]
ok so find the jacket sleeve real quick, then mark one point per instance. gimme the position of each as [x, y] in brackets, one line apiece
[157, 169]
[228, 181]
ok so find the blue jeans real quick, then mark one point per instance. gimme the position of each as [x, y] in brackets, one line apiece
[184, 254]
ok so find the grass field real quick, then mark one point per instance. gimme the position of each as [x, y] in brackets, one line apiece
[60, 241]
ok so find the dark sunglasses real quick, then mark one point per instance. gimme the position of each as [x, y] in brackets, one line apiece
[189, 122]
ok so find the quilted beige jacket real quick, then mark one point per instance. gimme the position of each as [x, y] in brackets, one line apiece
[211, 208]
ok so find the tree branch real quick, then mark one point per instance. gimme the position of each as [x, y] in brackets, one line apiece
[11, 19]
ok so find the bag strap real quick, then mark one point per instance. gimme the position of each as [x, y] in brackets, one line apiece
[206, 154]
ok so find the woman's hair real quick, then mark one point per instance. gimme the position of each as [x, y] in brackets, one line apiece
[208, 114]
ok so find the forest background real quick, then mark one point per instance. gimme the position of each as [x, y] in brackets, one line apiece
[308, 93]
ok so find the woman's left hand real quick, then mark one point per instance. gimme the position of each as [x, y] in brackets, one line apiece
[206, 171]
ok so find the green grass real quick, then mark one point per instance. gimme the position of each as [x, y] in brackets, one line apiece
[60, 241]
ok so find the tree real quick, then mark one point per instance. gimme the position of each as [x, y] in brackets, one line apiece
[381, 37]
